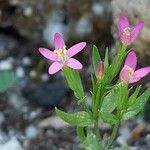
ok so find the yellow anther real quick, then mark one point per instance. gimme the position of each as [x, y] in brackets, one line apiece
[58, 51]
[130, 71]
[62, 54]
[126, 31]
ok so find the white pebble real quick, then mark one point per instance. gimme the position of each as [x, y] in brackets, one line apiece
[12, 144]
[31, 132]
[26, 61]
[32, 74]
[20, 72]
[28, 11]
[83, 26]
[98, 9]
[45, 77]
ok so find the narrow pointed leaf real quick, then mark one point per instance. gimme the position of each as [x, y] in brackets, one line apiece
[140, 102]
[106, 60]
[80, 119]
[95, 58]
[109, 118]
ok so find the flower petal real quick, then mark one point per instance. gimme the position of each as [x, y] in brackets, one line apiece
[136, 30]
[123, 23]
[76, 49]
[134, 79]
[73, 63]
[131, 60]
[124, 74]
[142, 72]
[48, 54]
[58, 41]
[55, 67]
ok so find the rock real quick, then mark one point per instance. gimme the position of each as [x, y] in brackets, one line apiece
[12, 144]
[7, 45]
[45, 95]
[20, 72]
[136, 10]
[2, 118]
[31, 132]
[54, 122]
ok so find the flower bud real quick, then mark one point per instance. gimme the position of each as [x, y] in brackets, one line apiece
[100, 70]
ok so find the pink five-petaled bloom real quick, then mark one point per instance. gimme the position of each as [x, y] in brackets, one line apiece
[61, 56]
[128, 73]
[128, 33]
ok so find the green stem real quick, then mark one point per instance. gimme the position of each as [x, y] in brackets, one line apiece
[97, 133]
[113, 136]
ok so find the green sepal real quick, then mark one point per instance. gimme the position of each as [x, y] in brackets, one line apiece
[7, 78]
[109, 118]
[95, 58]
[80, 119]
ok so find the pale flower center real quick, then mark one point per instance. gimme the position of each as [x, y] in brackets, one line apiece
[62, 54]
[126, 31]
[130, 71]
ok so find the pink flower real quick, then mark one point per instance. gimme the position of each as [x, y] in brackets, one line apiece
[127, 33]
[128, 73]
[61, 56]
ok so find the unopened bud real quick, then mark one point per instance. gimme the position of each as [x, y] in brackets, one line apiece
[100, 70]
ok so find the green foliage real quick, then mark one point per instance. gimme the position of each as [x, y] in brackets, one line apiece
[109, 102]
[106, 60]
[95, 58]
[114, 68]
[133, 97]
[137, 106]
[74, 82]
[80, 119]
[7, 78]
[91, 142]
[109, 118]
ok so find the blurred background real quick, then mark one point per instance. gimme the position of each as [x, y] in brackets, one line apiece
[28, 94]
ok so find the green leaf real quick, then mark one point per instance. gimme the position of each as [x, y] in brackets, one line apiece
[140, 102]
[106, 60]
[121, 95]
[80, 119]
[109, 118]
[74, 82]
[114, 68]
[7, 78]
[133, 97]
[95, 58]
[109, 102]
[129, 115]
[81, 133]
[91, 142]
